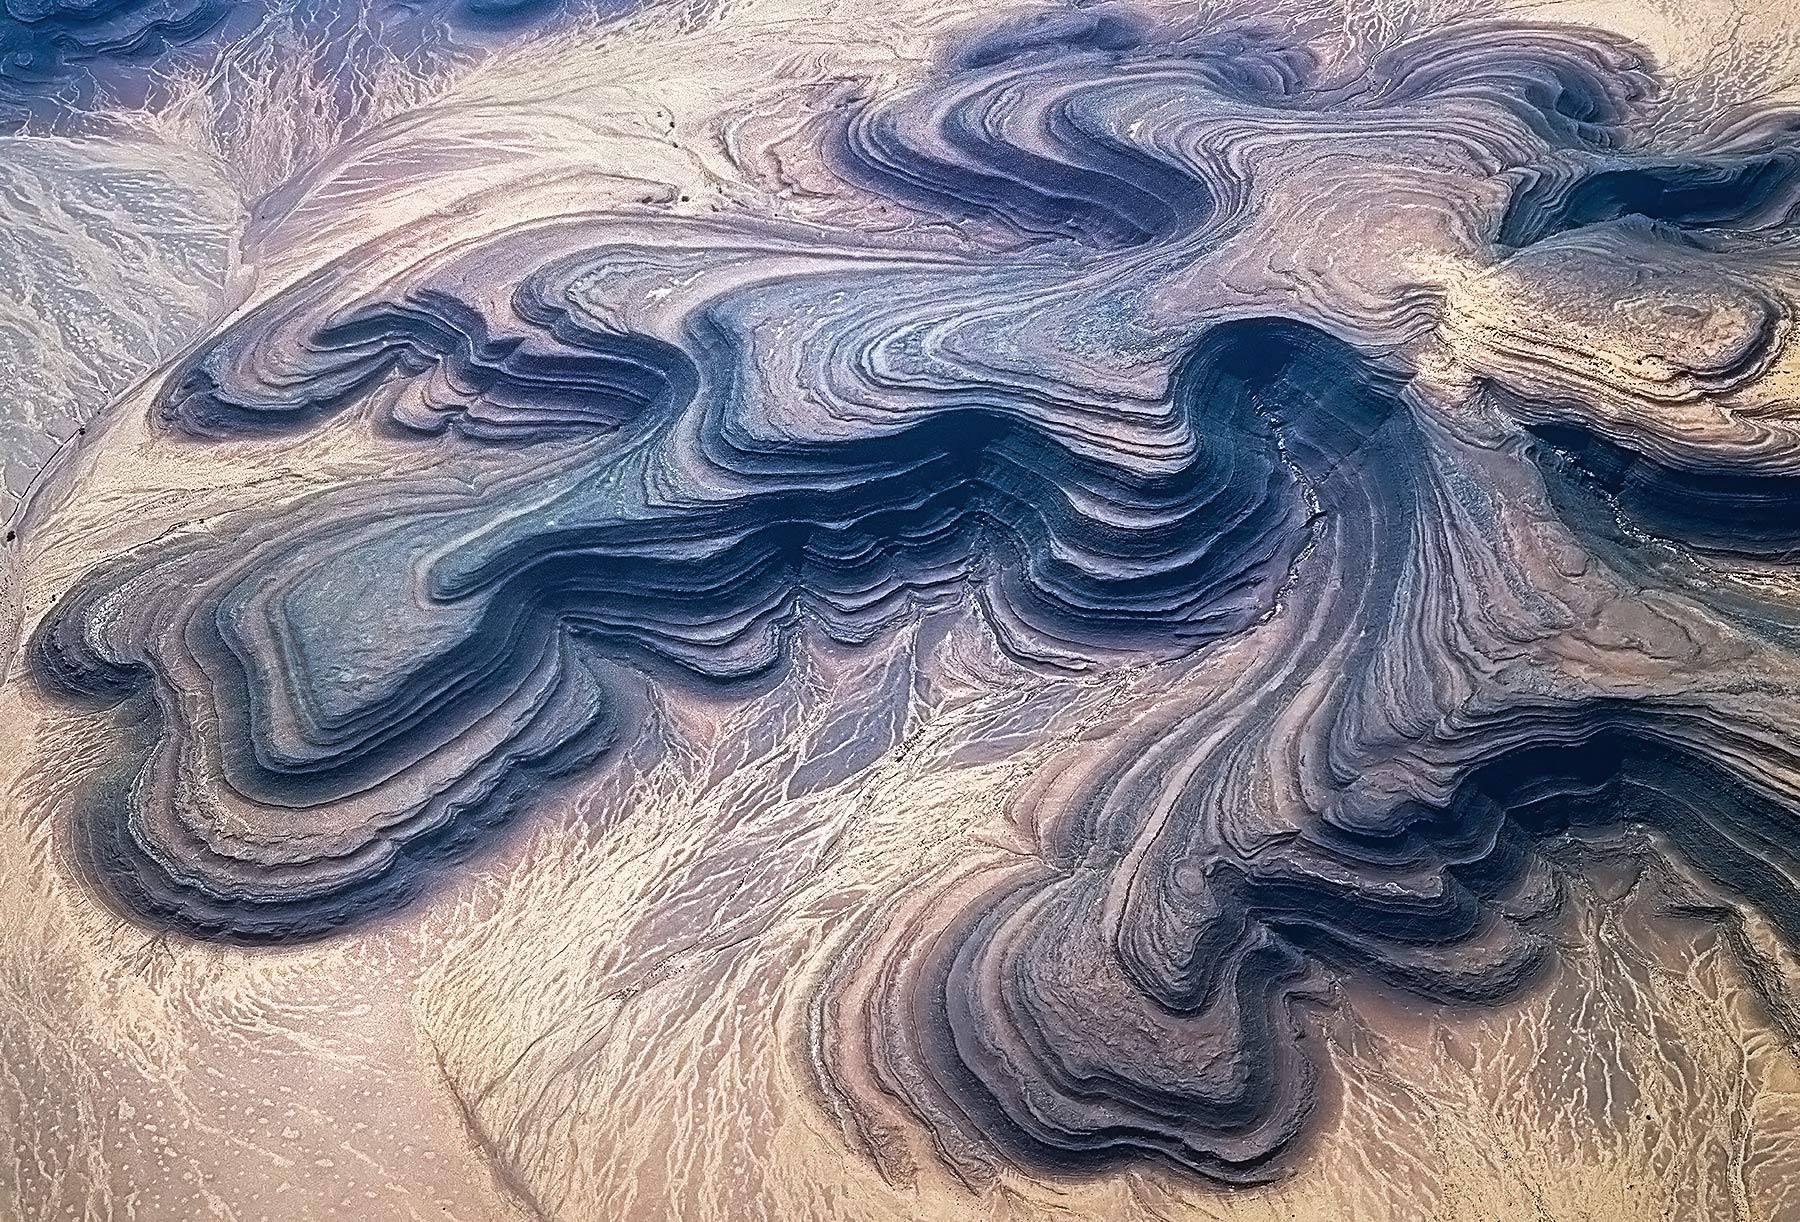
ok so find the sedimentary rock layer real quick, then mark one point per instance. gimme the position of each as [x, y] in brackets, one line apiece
[1366, 393]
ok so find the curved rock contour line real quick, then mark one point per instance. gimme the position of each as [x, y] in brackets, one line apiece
[1415, 406]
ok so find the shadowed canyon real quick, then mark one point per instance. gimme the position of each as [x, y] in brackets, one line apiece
[737, 609]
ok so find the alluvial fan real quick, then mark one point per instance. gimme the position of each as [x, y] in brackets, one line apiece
[747, 609]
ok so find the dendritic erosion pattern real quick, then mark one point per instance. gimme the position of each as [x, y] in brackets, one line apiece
[63, 59]
[1430, 405]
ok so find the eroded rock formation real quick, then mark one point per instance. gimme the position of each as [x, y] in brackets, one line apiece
[1421, 413]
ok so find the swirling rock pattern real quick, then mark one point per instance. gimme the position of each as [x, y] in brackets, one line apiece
[1418, 413]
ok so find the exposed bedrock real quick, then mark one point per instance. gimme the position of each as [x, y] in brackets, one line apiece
[1037, 1027]
[1746, 190]
[1104, 125]
[1721, 531]
[319, 709]
[1212, 346]
[39, 39]
[1365, 797]
[1361, 798]
[1719, 508]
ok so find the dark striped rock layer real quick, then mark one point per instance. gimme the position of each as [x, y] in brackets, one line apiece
[1425, 407]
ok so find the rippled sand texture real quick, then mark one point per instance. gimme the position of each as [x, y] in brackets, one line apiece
[745, 610]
